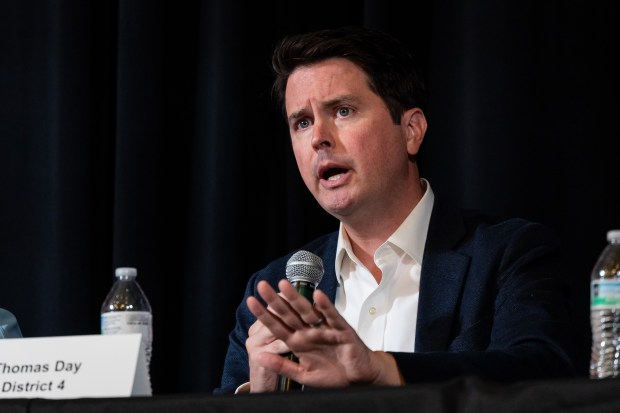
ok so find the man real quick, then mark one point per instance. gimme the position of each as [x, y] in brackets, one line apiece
[414, 289]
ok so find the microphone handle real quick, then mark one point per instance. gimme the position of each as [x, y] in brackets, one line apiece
[285, 383]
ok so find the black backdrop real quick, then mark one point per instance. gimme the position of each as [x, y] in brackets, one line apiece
[141, 133]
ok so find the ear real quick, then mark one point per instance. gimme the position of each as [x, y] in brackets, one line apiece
[415, 125]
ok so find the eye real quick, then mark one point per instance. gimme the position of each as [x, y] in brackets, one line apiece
[344, 112]
[303, 124]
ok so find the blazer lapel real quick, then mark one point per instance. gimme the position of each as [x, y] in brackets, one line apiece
[441, 283]
[441, 280]
[327, 252]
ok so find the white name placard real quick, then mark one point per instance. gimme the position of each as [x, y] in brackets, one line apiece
[66, 367]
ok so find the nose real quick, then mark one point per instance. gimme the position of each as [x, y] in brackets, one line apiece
[322, 135]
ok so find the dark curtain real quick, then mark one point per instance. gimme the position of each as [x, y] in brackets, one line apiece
[142, 133]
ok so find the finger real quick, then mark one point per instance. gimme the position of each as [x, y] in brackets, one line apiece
[258, 309]
[294, 309]
[326, 309]
[300, 304]
[266, 291]
[261, 336]
[255, 328]
[270, 319]
[277, 364]
[275, 303]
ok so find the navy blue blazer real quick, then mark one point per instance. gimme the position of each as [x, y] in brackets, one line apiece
[493, 302]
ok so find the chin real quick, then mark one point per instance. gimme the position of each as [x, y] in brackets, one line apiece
[338, 210]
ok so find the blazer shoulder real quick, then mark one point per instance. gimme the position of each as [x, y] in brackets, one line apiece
[451, 227]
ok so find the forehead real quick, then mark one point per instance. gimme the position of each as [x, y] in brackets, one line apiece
[323, 81]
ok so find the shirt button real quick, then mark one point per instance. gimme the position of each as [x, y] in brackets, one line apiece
[372, 310]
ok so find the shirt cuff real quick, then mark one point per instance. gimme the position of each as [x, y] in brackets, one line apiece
[244, 388]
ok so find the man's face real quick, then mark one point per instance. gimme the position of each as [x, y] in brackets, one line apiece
[350, 154]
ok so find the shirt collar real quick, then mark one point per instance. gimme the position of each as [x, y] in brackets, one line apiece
[410, 236]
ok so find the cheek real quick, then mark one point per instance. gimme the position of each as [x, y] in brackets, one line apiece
[385, 153]
[304, 161]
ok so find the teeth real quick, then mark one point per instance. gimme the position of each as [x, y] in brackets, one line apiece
[334, 177]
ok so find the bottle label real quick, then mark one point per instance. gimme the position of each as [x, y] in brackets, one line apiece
[605, 295]
[127, 322]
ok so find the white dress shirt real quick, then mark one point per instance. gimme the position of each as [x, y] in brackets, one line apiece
[384, 315]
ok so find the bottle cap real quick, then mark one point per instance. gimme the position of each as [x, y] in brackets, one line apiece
[613, 235]
[126, 272]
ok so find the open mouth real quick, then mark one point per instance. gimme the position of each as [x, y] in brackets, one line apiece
[333, 174]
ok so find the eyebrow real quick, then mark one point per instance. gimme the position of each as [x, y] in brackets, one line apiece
[296, 115]
[337, 101]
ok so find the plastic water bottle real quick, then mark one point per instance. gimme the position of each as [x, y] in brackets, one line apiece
[605, 310]
[127, 310]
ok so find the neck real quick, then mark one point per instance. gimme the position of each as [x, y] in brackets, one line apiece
[368, 233]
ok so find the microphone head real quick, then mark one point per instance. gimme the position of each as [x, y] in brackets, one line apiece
[304, 266]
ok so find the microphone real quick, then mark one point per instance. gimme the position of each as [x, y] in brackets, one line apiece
[304, 270]
[8, 325]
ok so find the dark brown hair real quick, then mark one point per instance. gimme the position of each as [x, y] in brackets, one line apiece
[387, 62]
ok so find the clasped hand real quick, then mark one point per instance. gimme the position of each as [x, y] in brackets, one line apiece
[329, 352]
